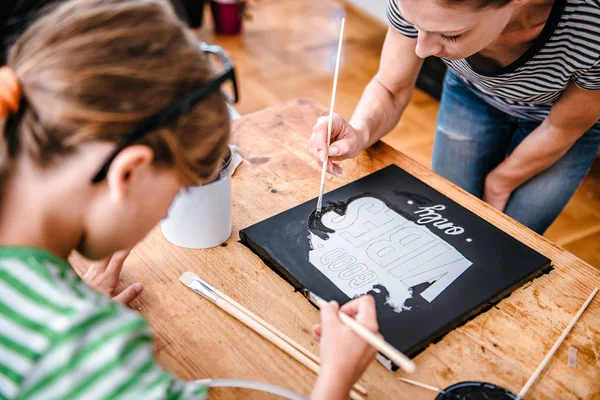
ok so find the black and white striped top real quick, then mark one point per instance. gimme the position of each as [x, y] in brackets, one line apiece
[567, 50]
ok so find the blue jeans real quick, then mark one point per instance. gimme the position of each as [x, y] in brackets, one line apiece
[472, 138]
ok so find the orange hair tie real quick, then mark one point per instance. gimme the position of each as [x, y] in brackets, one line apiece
[10, 92]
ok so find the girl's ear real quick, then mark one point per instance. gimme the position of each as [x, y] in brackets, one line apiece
[130, 164]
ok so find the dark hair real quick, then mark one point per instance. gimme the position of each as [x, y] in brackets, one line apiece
[479, 4]
[17, 15]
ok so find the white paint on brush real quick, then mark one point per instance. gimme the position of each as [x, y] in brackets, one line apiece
[373, 245]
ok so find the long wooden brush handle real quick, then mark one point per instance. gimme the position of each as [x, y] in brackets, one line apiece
[360, 389]
[380, 344]
[273, 338]
[270, 327]
[384, 347]
[422, 385]
[562, 337]
[330, 121]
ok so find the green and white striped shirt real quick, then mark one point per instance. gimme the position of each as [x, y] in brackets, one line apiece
[61, 340]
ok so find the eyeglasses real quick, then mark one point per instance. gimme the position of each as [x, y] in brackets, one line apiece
[181, 107]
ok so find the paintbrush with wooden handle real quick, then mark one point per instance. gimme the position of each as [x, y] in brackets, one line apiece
[258, 325]
[330, 123]
[380, 344]
[562, 337]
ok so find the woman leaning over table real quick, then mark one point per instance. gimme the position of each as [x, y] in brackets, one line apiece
[518, 122]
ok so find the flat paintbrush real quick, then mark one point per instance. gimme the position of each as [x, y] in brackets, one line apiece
[258, 325]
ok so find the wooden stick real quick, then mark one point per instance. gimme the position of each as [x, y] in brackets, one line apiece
[422, 385]
[360, 389]
[270, 327]
[384, 347]
[273, 338]
[562, 337]
[330, 123]
[257, 324]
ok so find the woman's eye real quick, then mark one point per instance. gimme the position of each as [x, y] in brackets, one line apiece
[451, 38]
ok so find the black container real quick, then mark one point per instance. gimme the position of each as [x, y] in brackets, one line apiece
[191, 11]
[475, 391]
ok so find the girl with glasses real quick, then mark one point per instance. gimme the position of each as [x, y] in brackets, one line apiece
[108, 108]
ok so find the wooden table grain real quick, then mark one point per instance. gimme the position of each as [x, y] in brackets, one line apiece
[196, 340]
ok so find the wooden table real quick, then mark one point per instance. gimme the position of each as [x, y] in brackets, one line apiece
[197, 340]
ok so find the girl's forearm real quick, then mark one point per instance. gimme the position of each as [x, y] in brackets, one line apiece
[331, 387]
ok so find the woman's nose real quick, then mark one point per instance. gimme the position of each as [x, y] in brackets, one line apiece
[428, 45]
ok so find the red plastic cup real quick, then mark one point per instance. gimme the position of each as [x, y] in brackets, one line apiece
[228, 16]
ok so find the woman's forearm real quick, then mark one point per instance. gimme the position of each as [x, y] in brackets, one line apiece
[389, 92]
[378, 111]
[538, 151]
[567, 122]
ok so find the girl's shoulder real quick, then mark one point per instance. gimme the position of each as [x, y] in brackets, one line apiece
[44, 291]
[52, 324]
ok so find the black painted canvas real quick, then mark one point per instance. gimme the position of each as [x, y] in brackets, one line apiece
[430, 263]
